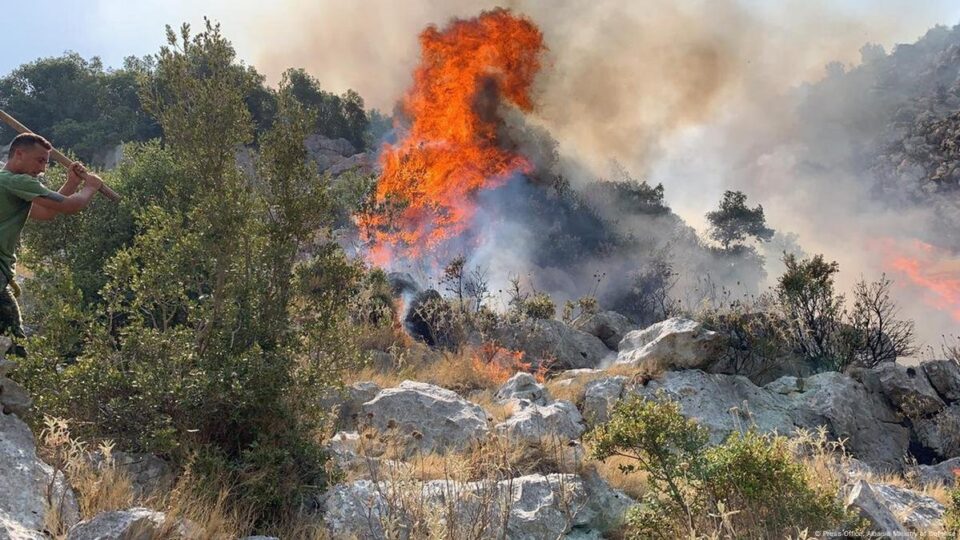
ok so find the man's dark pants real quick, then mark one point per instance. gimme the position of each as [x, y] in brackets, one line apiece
[10, 320]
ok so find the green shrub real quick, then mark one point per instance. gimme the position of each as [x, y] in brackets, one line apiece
[750, 486]
[951, 519]
[208, 329]
[540, 306]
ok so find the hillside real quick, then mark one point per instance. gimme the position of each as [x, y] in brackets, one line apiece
[287, 329]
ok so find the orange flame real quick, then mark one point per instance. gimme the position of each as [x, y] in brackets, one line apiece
[499, 364]
[426, 192]
[934, 270]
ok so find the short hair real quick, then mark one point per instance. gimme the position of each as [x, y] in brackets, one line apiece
[25, 140]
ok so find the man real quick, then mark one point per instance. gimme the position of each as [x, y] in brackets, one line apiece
[22, 195]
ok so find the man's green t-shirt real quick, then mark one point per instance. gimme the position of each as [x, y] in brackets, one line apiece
[16, 193]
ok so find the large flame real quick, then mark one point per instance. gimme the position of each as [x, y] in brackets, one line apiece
[426, 193]
[930, 268]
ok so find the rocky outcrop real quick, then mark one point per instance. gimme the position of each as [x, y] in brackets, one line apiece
[599, 397]
[559, 420]
[24, 480]
[944, 376]
[872, 430]
[133, 524]
[523, 386]
[940, 432]
[893, 510]
[729, 403]
[942, 473]
[14, 399]
[908, 389]
[537, 506]
[429, 417]
[722, 403]
[552, 342]
[675, 343]
[608, 326]
[346, 403]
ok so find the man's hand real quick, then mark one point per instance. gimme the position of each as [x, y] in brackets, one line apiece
[75, 173]
[92, 181]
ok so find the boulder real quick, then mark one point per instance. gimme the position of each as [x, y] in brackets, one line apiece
[355, 510]
[432, 418]
[871, 428]
[608, 326]
[553, 342]
[361, 162]
[6, 366]
[940, 432]
[942, 473]
[24, 480]
[786, 385]
[871, 507]
[346, 402]
[599, 397]
[908, 389]
[675, 343]
[530, 422]
[523, 386]
[132, 524]
[944, 376]
[13, 397]
[728, 403]
[724, 404]
[911, 510]
[539, 507]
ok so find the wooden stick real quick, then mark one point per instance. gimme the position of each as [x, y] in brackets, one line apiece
[55, 154]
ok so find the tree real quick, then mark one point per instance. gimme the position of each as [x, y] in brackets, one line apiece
[337, 116]
[78, 104]
[879, 336]
[813, 310]
[222, 317]
[734, 222]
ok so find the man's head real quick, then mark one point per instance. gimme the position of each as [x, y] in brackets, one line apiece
[28, 154]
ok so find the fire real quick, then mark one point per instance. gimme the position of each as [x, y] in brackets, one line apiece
[932, 269]
[499, 364]
[426, 194]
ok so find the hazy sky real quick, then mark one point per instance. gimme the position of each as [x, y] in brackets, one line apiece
[273, 35]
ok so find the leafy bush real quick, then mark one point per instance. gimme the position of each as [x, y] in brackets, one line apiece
[814, 311]
[215, 308]
[749, 486]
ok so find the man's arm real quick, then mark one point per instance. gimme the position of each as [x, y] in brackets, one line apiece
[41, 211]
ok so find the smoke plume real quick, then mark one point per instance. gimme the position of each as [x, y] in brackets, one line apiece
[701, 96]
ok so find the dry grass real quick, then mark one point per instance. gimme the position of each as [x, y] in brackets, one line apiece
[465, 372]
[476, 484]
[633, 484]
[105, 487]
[572, 389]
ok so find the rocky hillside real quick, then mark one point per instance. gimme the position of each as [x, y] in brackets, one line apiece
[402, 446]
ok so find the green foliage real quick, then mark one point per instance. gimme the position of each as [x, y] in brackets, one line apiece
[77, 103]
[202, 318]
[734, 222]
[951, 519]
[539, 306]
[749, 486]
[814, 311]
[337, 116]
[758, 336]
